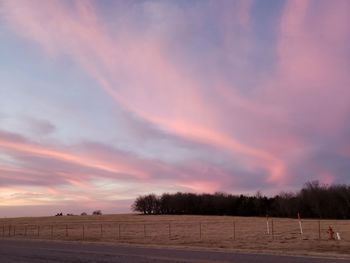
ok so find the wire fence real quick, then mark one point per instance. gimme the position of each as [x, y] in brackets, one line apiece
[286, 230]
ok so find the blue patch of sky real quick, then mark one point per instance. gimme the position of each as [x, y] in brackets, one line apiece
[266, 24]
[55, 90]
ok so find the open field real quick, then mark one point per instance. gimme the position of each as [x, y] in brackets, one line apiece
[222, 232]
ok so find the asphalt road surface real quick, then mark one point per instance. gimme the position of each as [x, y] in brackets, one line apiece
[46, 251]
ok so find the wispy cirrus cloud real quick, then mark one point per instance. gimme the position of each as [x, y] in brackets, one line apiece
[9, 143]
[76, 172]
[185, 110]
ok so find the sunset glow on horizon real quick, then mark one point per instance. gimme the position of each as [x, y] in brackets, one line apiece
[103, 101]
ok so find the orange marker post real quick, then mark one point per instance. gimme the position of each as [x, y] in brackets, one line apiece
[331, 233]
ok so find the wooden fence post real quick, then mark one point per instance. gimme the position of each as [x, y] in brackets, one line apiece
[144, 230]
[272, 229]
[67, 230]
[300, 225]
[3, 230]
[38, 230]
[25, 230]
[101, 231]
[319, 230]
[169, 230]
[116, 231]
[51, 231]
[120, 231]
[14, 230]
[200, 230]
[234, 230]
[83, 231]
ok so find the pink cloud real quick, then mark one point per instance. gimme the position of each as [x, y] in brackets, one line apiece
[327, 178]
[201, 186]
[140, 73]
[81, 166]
[8, 144]
[312, 71]
[151, 81]
[310, 83]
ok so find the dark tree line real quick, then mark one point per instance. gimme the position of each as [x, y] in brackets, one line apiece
[312, 201]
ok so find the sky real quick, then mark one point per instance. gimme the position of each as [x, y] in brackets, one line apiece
[103, 101]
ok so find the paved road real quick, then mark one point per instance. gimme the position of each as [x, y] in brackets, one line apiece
[45, 251]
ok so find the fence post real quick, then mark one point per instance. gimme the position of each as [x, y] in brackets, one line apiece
[101, 230]
[83, 231]
[51, 231]
[144, 230]
[200, 230]
[272, 230]
[169, 230]
[25, 230]
[234, 230]
[300, 225]
[267, 225]
[14, 230]
[319, 230]
[120, 232]
[38, 230]
[3, 230]
[67, 230]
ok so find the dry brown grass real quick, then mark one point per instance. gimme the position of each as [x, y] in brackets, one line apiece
[243, 233]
